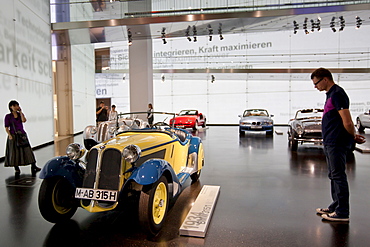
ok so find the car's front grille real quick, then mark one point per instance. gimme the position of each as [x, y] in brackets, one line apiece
[110, 169]
[102, 132]
[315, 135]
[90, 172]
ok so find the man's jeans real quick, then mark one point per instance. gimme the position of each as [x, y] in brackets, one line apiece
[336, 159]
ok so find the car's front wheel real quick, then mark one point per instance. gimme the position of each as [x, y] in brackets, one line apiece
[195, 127]
[153, 206]
[56, 199]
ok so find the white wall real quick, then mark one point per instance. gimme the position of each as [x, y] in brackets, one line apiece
[83, 86]
[25, 67]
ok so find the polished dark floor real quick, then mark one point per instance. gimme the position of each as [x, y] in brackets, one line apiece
[268, 197]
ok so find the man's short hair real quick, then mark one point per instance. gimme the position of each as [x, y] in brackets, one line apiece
[321, 73]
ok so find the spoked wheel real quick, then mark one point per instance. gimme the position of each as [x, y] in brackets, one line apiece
[153, 206]
[195, 176]
[56, 199]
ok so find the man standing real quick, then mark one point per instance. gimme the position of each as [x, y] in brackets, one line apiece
[101, 113]
[338, 136]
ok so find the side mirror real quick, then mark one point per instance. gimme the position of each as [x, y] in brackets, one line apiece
[272, 115]
[239, 115]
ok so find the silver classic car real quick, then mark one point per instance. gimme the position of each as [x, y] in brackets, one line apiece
[93, 135]
[305, 127]
[256, 120]
[363, 121]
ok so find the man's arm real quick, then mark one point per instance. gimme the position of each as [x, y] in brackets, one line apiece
[347, 121]
[348, 125]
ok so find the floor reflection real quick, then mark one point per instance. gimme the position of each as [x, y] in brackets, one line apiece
[312, 161]
[19, 190]
[340, 233]
[257, 141]
[201, 132]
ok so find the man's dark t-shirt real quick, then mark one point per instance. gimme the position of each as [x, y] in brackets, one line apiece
[102, 116]
[333, 131]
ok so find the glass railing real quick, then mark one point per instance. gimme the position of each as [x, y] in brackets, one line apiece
[74, 10]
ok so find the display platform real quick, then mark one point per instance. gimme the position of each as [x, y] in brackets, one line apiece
[363, 148]
[197, 221]
[278, 132]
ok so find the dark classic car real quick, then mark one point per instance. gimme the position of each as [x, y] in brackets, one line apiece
[363, 121]
[144, 167]
[189, 119]
[256, 120]
[305, 127]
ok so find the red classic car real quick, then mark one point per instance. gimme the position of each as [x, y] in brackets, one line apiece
[189, 119]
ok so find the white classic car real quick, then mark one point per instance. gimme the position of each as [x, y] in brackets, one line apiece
[93, 135]
[363, 121]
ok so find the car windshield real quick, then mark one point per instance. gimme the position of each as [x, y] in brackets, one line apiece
[188, 112]
[309, 113]
[163, 118]
[255, 112]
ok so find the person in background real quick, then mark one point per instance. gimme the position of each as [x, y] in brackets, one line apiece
[150, 116]
[113, 113]
[101, 113]
[15, 155]
[339, 135]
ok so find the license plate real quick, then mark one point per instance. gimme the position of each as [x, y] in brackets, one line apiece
[256, 127]
[96, 194]
[180, 126]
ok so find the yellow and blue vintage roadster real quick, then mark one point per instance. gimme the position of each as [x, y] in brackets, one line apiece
[151, 165]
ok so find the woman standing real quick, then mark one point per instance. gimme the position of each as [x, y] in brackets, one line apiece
[150, 116]
[113, 113]
[17, 155]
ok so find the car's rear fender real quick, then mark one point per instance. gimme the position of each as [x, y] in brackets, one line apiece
[194, 145]
[64, 167]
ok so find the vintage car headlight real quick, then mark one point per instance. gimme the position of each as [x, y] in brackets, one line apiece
[75, 151]
[112, 130]
[93, 130]
[299, 129]
[131, 153]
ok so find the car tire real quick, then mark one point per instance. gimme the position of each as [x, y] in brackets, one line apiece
[241, 133]
[154, 196]
[195, 127]
[270, 133]
[204, 125]
[195, 176]
[359, 126]
[293, 144]
[56, 200]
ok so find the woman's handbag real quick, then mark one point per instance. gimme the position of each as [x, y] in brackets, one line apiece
[21, 139]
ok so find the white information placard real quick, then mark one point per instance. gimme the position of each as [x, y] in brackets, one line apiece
[197, 221]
